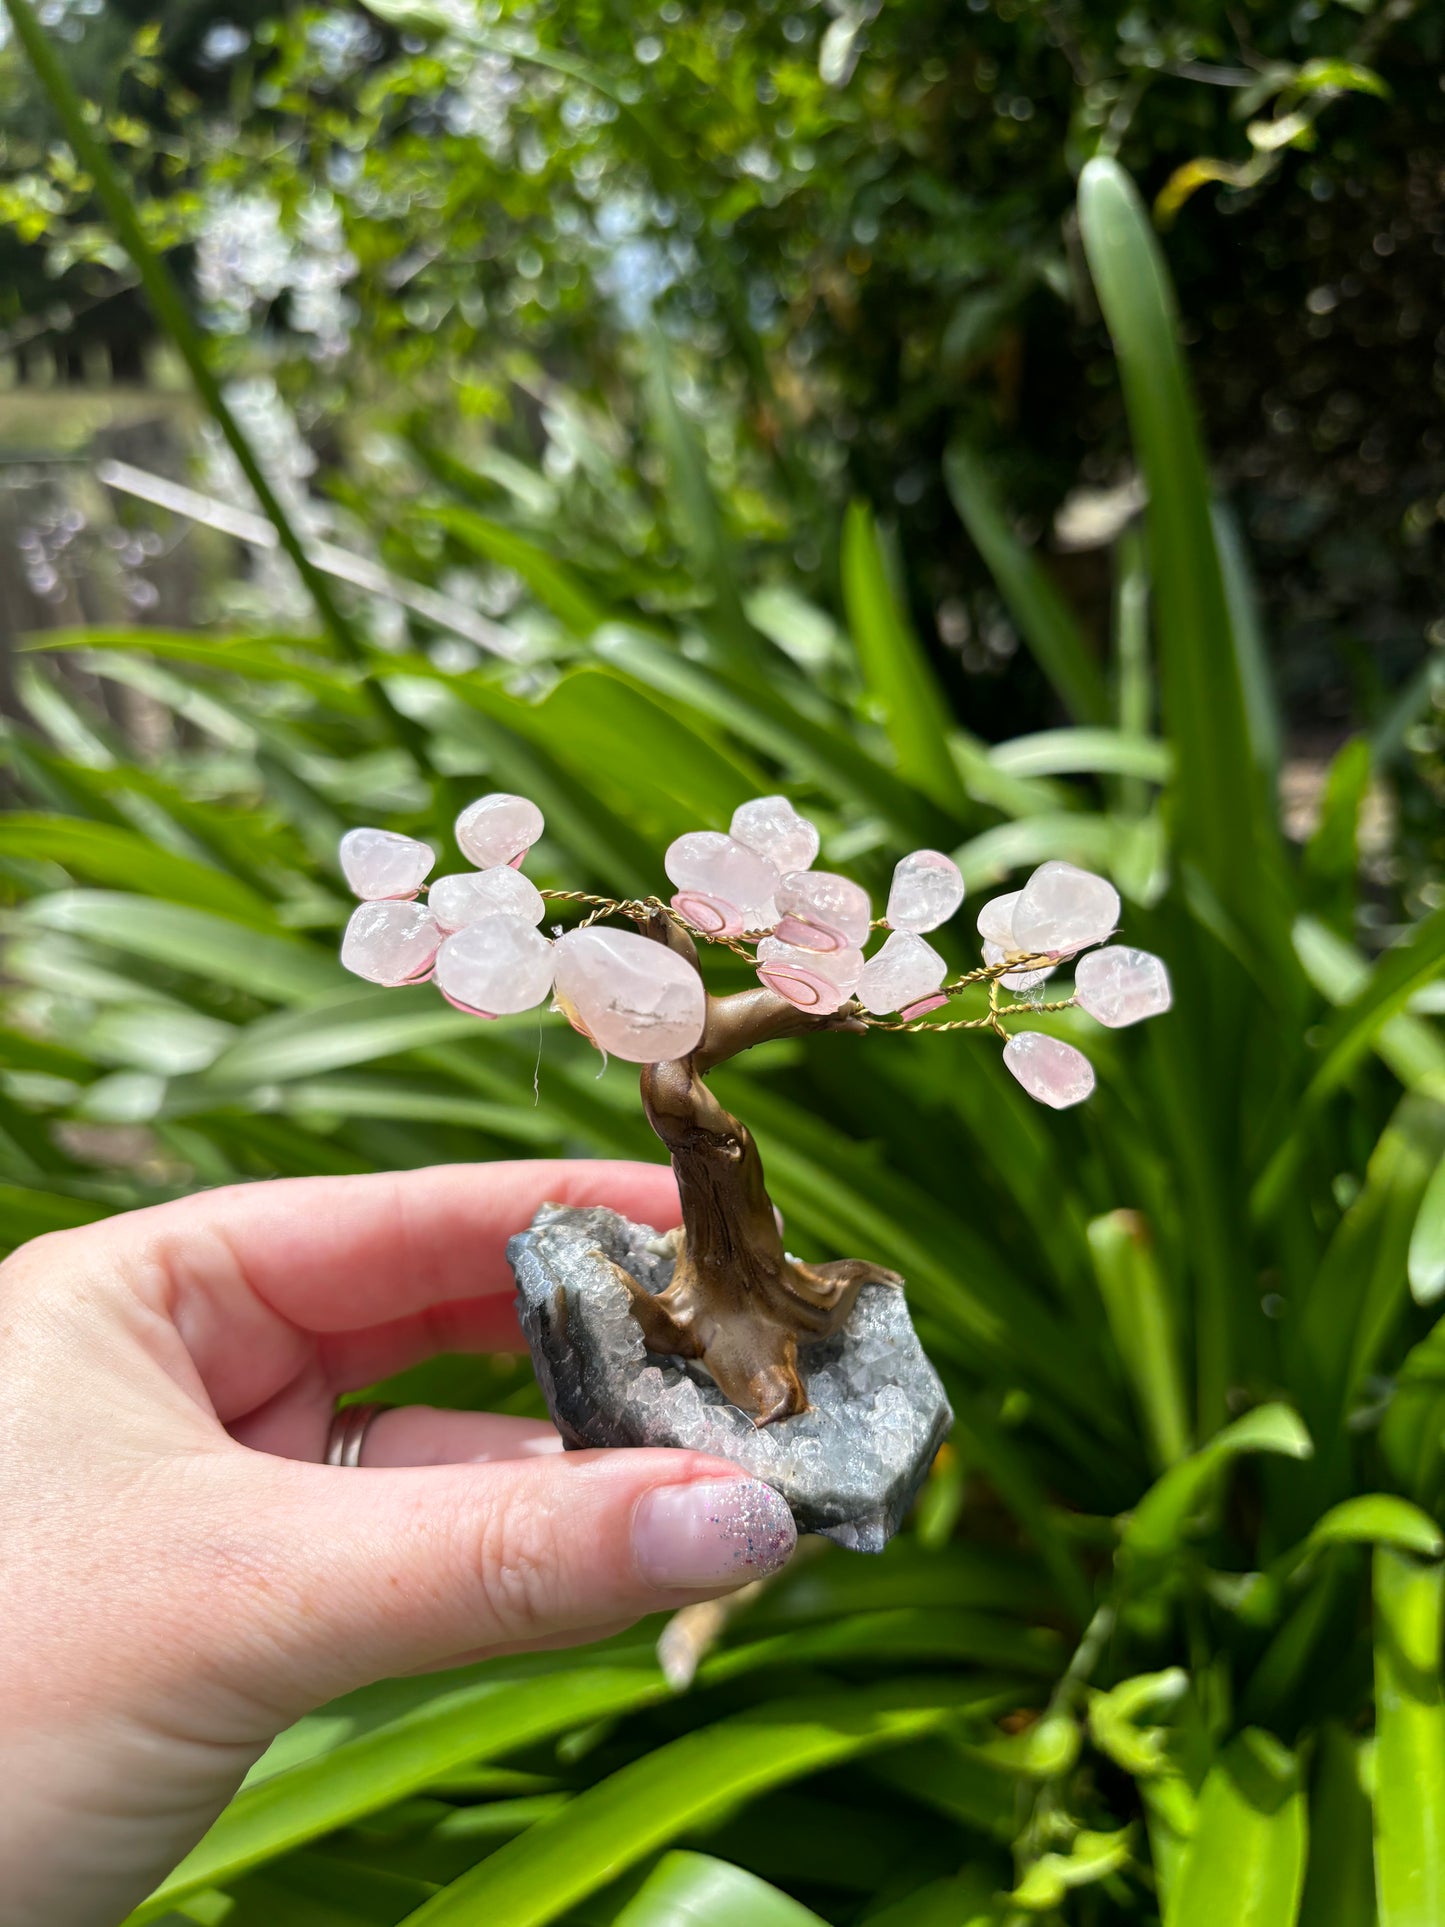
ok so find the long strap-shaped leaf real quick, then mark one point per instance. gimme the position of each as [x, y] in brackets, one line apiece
[1049, 628]
[1223, 816]
[898, 673]
[696, 1889]
[613, 1825]
[480, 1723]
[1244, 1865]
[1410, 1741]
[171, 311]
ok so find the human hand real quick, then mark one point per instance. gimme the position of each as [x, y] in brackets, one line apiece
[182, 1578]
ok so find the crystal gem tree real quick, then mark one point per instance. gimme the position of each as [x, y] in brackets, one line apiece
[738, 1303]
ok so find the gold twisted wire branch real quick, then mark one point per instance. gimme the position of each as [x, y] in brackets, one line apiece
[642, 909]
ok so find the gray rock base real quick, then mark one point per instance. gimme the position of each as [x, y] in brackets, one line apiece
[849, 1467]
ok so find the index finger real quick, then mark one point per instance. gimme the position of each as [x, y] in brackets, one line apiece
[344, 1253]
[348, 1275]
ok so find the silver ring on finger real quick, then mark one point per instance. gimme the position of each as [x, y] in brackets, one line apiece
[347, 1433]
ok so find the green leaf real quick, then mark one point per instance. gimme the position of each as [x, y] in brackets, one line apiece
[1427, 1242]
[694, 1890]
[104, 854]
[267, 964]
[898, 674]
[1410, 1741]
[1245, 1862]
[27, 1213]
[764, 716]
[699, 515]
[1223, 818]
[1162, 1516]
[555, 586]
[472, 1723]
[1085, 752]
[1348, 1036]
[967, 1900]
[680, 1785]
[1340, 1877]
[1251, 649]
[1381, 1519]
[1044, 619]
[354, 1028]
[1141, 1317]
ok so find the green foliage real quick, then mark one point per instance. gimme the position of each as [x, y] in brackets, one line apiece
[1121, 1669]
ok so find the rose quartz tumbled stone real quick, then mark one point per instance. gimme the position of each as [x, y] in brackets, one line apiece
[821, 911]
[904, 972]
[1016, 979]
[498, 829]
[1119, 986]
[996, 921]
[771, 826]
[380, 865]
[816, 980]
[390, 943]
[1062, 909]
[723, 887]
[927, 889]
[1049, 1070]
[455, 901]
[634, 998]
[495, 967]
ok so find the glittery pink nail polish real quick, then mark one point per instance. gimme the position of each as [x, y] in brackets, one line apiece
[713, 1532]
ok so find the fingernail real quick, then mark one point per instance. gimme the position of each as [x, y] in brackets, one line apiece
[712, 1532]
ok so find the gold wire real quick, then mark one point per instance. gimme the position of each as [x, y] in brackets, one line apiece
[637, 908]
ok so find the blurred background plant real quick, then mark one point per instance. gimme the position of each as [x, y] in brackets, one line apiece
[558, 353]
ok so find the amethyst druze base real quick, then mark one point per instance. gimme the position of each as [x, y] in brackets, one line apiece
[849, 1467]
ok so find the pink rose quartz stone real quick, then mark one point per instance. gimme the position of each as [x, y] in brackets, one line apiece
[821, 911]
[1049, 1070]
[927, 889]
[379, 865]
[1062, 910]
[904, 972]
[468, 895]
[495, 967]
[1119, 986]
[816, 980]
[996, 921]
[1016, 979]
[391, 943]
[498, 829]
[771, 826]
[634, 998]
[723, 887]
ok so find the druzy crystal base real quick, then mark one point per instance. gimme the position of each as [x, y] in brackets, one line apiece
[849, 1467]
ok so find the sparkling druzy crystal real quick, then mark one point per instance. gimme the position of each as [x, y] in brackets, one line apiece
[495, 967]
[1062, 909]
[1053, 1072]
[634, 998]
[469, 895]
[723, 887]
[771, 826]
[498, 829]
[390, 943]
[1119, 986]
[379, 865]
[927, 889]
[815, 980]
[904, 972]
[821, 911]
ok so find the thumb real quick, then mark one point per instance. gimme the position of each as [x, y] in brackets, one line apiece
[375, 1572]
